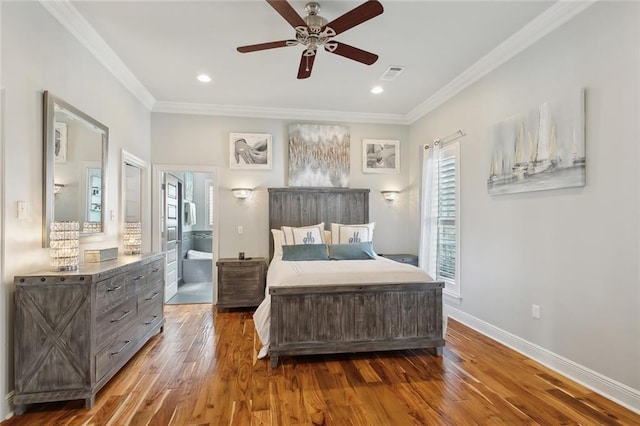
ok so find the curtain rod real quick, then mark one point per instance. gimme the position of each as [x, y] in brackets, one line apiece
[450, 138]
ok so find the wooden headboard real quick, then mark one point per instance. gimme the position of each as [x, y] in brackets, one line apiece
[302, 206]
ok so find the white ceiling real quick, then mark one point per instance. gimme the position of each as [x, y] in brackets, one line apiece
[166, 44]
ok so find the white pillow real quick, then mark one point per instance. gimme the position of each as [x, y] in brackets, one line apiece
[327, 237]
[278, 242]
[313, 234]
[346, 234]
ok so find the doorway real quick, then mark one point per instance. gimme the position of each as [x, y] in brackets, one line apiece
[185, 229]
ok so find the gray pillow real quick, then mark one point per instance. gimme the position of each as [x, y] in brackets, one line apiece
[353, 251]
[297, 252]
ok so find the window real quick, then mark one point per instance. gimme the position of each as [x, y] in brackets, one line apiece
[208, 184]
[439, 245]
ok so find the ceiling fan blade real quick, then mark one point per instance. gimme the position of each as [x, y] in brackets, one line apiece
[351, 52]
[356, 16]
[287, 12]
[265, 46]
[306, 65]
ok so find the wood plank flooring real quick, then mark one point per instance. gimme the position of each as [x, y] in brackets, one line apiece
[203, 371]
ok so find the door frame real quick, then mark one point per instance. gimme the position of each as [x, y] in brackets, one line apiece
[158, 204]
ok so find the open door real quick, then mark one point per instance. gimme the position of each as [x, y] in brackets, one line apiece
[171, 233]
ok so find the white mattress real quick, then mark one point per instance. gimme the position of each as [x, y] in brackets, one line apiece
[325, 272]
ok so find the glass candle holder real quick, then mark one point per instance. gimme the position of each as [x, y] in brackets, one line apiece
[64, 245]
[132, 237]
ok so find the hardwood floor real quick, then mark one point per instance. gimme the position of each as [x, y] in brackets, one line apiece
[203, 370]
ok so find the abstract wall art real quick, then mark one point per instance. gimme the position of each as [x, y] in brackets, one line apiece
[319, 155]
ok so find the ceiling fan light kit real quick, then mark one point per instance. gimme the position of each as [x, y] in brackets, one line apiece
[314, 31]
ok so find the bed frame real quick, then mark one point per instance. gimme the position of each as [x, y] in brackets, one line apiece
[346, 318]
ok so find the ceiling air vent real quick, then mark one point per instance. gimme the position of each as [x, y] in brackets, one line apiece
[391, 73]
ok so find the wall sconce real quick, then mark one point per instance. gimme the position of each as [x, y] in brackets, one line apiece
[390, 195]
[241, 193]
[132, 238]
[64, 245]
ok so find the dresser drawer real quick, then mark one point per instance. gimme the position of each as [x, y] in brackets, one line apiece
[110, 324]
[116, 353]
[149, 296]
[155, 272]
[149, 320]
[137, 277]
[110, 293]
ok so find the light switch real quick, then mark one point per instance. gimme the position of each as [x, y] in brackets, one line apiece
[240, 229]
[22, 209]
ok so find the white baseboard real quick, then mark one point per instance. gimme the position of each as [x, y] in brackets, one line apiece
[6, 410]
[605, 386]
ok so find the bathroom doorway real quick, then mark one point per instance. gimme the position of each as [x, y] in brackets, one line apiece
[185, 226]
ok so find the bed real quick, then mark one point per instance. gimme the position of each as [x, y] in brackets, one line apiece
[362, 310]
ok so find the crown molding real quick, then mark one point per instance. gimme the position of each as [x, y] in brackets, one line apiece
[543, 24]
[552, 18]
[277, 113]
[80, 28]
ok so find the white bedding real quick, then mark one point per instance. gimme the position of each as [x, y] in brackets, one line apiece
[372, 271]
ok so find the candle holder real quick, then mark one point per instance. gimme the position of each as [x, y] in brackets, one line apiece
[132, 238]
[64, 246]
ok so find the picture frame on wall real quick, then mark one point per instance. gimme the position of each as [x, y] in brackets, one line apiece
[250, 151]
[60, 142]
[380, 156]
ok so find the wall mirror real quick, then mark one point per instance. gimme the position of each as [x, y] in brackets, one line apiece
[75, 165]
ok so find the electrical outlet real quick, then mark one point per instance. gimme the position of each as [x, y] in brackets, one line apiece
[535, 311]
[240, 230]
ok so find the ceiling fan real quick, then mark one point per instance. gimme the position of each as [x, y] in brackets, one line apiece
[314, 31]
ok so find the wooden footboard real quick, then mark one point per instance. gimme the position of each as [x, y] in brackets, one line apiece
[355, 318]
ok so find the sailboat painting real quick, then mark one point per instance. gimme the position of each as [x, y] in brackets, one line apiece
[541, 149]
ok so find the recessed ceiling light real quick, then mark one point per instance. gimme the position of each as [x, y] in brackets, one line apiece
[377, 90]
[204, 78]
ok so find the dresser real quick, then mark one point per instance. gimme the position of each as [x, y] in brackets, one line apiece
[73, 331]
[241, 282]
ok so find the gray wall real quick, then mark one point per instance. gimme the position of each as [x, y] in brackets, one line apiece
[575, 252]
[39, 54]
[204, 140]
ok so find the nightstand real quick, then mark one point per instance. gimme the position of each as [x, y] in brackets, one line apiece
[410, 259]
[241, 282]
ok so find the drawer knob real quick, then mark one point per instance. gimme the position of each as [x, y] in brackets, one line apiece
[126, 313]
[126, 343]
[114, 288]
[156, 294]
[139, 277]
[156, 269]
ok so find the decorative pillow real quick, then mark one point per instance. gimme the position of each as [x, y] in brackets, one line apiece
[351, 251]
[297, 252]
[278, 241]
[327, 237]
[313, 234]
[348, 234]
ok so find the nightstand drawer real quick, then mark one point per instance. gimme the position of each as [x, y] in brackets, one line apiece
[240, 282]
[410, 259]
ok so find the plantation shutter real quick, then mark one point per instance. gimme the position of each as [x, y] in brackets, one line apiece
[447, 205]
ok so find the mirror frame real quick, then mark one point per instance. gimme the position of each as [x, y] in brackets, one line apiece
[50, 102]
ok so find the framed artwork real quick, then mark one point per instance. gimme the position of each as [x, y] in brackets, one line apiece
[188, 186]
[60, 142]
[543, 148]
[250, 151]
[380, 156]
[319, 155]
